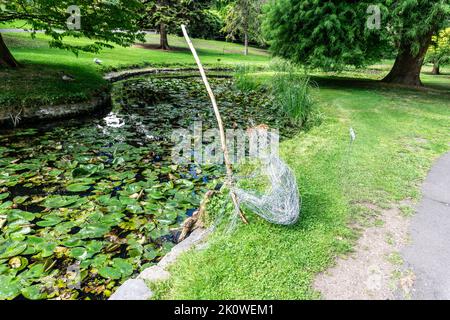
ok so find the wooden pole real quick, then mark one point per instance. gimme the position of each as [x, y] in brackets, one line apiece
[223, 140]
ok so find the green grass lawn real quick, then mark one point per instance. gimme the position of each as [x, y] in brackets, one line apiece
[38, 82]
[400, 132]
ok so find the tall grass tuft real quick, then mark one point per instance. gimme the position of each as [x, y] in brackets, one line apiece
[242, 78]
[291, 91]
[289, 87]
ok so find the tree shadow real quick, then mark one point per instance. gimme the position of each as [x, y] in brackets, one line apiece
[439, 90]
[155, 46]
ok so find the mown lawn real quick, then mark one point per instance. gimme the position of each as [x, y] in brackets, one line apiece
[400, 132]
[39, 82]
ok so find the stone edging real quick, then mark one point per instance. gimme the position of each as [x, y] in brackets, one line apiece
[137, 289]
[125, 74]
[57, 112]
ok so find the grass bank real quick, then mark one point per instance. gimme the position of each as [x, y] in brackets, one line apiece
[400, 132]
[39, 82]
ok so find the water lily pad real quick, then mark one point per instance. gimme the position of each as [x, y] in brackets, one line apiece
[20, 199]
[34, 272]
[110, 273]
[17, 214]
[10, 249]
[46, 249]
[73, 243]
[79, 253]
[60, 201]
[49, 220]
[125, 268]
[9, 287]
[95, 230]
[34, 292]
[76, 187]
[4, 195]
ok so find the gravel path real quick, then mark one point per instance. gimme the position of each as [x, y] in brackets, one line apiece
[404, 258]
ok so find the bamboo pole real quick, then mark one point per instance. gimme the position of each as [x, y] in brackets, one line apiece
[223, 140]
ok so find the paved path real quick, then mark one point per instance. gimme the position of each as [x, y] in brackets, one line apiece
[428, 255]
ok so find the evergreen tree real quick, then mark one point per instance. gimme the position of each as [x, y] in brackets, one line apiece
[244, 19]
[333, 34]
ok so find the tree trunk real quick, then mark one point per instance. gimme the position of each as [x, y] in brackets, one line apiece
[246, 44]
[407, 66]
[6, 58]
[163, 41]
[436, 69]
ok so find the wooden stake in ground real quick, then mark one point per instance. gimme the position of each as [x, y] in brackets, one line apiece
[219, 123]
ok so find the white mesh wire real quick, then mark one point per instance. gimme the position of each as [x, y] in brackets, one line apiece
[280, 203]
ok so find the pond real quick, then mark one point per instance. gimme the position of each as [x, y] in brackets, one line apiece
[86, 204]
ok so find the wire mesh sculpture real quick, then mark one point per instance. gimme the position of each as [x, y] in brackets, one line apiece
[280, 203]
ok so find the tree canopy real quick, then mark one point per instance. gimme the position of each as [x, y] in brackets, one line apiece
[332, 34]
[104, 22]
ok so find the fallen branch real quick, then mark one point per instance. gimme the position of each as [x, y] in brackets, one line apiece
[196, 221]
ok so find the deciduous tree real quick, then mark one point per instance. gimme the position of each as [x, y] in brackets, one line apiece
[166, 15]
[439, 52]
[104, 22]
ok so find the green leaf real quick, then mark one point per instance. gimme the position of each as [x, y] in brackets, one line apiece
[125, 268]
[17, 214]
[20, 200]
[34, 292]
[35, 272]
[94, 230]
[110, 273]
[49, 221]
[9, 287]
[4, 195]
[79, 253]
[60, 201]
[11, 249]
[77, 187]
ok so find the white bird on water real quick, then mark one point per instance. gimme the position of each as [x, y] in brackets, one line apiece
[98, 61]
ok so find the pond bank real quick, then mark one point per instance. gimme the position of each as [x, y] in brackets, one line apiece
[138, 288]
[35, 116]
[100, 103]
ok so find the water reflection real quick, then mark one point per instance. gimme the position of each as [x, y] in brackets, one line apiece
[113, 121]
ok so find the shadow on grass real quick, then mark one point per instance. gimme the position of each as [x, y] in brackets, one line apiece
[335, 82]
